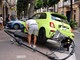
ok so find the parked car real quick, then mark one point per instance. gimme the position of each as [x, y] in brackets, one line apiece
[17, 24]
[49, 22]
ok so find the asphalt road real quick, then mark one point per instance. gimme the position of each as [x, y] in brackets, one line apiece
[77, 43]
[10, 51]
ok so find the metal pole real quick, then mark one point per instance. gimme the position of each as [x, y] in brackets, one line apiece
[71, 9]
[71, 4]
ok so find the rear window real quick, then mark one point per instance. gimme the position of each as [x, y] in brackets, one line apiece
[42, 16]
[57, 18]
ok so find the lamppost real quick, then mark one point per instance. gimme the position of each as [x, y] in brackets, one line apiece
[71, 9]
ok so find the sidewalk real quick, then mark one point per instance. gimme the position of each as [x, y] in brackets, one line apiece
[4, 36]
[77, 30]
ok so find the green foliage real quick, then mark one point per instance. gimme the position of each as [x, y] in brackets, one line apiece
[38, 4]
[21, 6]
[52, 2]
[45, 3]
[73, 24]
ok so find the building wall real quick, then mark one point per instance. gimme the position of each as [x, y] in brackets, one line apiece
[75, 15]
[0, 8]
[7, 8]
[12, 9]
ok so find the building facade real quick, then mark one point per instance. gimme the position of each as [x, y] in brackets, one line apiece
[12, 6]
[0, 6]
[7, 7]
[64, 8]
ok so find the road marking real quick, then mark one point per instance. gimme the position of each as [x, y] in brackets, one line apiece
[21, 56]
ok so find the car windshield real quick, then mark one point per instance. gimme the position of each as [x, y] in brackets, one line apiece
[57, 18]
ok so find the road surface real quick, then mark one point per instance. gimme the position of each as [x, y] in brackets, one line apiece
[10, 51]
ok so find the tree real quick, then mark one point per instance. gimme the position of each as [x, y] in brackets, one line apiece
[22, 6]
[46, 3]
[31, 8]
[19, 7]
[27, 6]
[38, 4]
[52, 3]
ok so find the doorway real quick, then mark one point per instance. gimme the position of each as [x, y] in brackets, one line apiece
[68, 15]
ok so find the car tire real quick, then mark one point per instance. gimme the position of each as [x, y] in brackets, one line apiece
[16, 26]
[42, 36]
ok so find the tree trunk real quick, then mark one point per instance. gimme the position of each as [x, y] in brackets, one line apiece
[47, 8]
[31, 8]
[54, 7]
[26, 11]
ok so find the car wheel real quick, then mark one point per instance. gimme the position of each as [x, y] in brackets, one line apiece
[42, 36]
[16, 26]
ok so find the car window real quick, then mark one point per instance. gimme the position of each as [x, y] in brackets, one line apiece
[36, 16]
[40, 16]
[57, 18]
